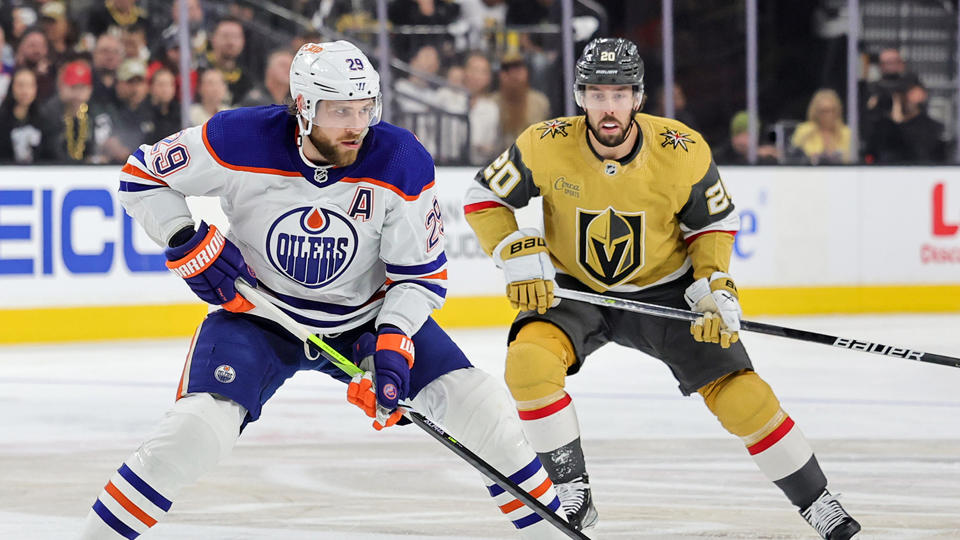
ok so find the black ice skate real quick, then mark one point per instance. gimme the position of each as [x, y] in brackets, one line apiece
[830, 519]
[577, 502]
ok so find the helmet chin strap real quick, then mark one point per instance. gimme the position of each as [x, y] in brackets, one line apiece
[319, 171]
[303, 131]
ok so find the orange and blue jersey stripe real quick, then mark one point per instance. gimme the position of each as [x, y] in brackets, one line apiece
[132, 509]
[418, 269]
[140, 172]
[263, 140]
[530, 474]
[430, 275]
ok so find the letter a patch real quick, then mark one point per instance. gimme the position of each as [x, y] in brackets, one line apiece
[362, 206]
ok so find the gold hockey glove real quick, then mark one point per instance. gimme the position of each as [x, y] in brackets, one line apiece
[718, 301]
[526, 265]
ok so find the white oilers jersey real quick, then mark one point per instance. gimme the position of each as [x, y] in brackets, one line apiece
[334, 247]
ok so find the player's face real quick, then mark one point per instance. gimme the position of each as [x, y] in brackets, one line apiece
[339, 128]
[339, 145]
[609, 111]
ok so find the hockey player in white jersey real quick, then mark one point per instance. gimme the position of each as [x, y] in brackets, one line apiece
[333, 216]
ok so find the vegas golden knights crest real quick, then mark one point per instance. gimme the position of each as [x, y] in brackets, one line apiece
[609, 244]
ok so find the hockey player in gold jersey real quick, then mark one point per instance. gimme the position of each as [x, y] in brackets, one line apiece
[633, 206]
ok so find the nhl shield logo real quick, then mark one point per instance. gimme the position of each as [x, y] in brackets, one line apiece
[312, 245]
[610, 244]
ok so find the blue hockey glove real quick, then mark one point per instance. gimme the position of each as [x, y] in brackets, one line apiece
[386, 361]
[210, 264]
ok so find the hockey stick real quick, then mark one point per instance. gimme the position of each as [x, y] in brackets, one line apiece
[279, 316]
[762, 328]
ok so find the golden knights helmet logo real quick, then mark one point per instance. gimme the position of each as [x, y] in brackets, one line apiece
[609, 244]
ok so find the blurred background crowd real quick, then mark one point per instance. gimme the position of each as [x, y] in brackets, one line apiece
[87, 81]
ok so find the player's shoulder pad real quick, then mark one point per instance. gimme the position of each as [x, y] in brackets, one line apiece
[677, 145]
[673, 136]
[542, 139]
[552, 131]
[251, 137]
[396, 158]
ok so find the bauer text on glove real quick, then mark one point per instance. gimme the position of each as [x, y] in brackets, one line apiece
[526, 265]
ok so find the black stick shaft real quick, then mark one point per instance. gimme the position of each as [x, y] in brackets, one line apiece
[275, 314]
[488, 470]
[494, 475]
[763, 328]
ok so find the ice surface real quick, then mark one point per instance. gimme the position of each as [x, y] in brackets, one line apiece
[887, 432]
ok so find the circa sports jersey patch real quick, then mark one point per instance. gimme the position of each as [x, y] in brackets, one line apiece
[610, 244]
[567, 187]
[312, 245]
[225, 374]
[674, 137]
[554, 128]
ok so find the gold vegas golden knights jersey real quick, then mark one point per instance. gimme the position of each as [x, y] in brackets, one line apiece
[613, 225]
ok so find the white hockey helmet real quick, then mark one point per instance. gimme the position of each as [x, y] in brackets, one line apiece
[332, 71]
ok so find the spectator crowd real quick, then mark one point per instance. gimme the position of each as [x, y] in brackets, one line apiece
[895, 127]
[88, 81]
[90, 86]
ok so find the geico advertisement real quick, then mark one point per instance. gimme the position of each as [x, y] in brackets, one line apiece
[65, 240]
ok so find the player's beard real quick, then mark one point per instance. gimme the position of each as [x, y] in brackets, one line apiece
[611, 139]
[333, 150]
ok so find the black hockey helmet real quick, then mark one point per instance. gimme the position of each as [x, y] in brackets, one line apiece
[609, 61]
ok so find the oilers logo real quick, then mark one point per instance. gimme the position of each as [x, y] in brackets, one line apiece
[311, 245]
[225, 374]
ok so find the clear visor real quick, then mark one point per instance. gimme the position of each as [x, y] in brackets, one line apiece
[609, 99]
[348, 114]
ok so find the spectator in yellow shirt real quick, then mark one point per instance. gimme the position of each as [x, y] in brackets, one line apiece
[824, 139]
